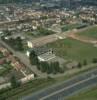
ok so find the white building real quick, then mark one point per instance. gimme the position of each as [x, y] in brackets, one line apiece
[43, 53]
[30, 44]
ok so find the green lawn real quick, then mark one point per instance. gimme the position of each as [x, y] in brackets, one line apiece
[74, 50]
[88, 95]
[91, 32]
[71, 26]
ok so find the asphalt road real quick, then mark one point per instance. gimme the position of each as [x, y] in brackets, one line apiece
[67, 88]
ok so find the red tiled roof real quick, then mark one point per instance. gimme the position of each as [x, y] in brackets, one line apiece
[2, 61]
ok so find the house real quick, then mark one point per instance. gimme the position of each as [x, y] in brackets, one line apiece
[4, 51]
[72, 64]
[27, 78]
[16, 64]
[2, 61]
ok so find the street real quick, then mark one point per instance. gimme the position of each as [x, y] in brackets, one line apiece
[67, 88]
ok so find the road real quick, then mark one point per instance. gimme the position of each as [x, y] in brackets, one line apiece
[63, 90]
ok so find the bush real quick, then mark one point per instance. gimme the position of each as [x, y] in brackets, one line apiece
[85, 62]
[14, 82]
[94, 60]
[79, 65]
[34, 59]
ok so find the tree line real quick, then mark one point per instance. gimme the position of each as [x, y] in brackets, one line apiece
[16, 44]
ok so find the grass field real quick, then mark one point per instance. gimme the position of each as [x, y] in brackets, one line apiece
[40, 32]
[91, 32]
[71, 26]
[74, 50]
[88, 95]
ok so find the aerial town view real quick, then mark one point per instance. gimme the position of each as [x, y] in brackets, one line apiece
[48, 49]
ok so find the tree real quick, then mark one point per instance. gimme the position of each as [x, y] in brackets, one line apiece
[19, 44]
[49, 70]
[55, 67]
[94, 60]
[52, 68]
[44, 66]
[38, 67]
[33, 58]
[61, 70]
[7, 32]
[15, 43]
[44, 31]
[14, 82]
[79, 65]
[2, 97]
[85, 62]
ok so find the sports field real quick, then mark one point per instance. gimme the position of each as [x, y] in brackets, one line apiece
[90, 33]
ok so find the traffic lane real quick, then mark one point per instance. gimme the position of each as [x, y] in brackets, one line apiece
[62, 95]
[46, 92]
